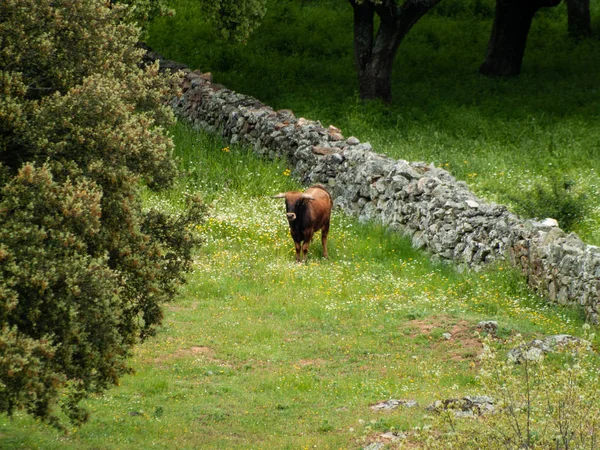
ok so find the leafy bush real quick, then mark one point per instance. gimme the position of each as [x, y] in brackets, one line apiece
[142, 12]
[83, 268]
[559, 201]
[541, 402]
[234, 19]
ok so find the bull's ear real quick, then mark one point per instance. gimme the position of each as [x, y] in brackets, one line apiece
[308, 197]
[280, 195]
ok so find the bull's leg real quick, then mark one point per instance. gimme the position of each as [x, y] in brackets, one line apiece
[298, 246]
[305, 250]
[307, 238]
[324, 233]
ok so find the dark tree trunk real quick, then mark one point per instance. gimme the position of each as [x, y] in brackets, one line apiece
[374, 54]
[580, 25]
[509, 36]
[375, 74]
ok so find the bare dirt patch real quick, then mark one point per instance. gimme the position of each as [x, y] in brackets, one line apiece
[457, 337]
[194, 350]
[311, 362]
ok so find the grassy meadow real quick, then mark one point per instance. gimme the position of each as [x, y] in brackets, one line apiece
[259, 352]
[532, 142]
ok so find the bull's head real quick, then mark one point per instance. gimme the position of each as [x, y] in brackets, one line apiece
[293, 200]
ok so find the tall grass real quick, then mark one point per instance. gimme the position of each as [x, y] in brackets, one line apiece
[505, 138]
[262, 352]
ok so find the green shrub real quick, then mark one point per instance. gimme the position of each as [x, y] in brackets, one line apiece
[141, 12]
[83, 268]
[558, 201]
[541, 402]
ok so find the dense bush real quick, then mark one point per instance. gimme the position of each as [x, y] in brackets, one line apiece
[141, 12]
[541, 401]
[83, 268]
[558, 201]
[235, 19]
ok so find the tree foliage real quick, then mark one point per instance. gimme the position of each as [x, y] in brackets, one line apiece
[376, 41]
[235, 19]
[141, 12]
[380, 26]
[84, 268]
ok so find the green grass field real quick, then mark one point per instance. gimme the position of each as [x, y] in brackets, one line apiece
[260, 352]
[532, 142]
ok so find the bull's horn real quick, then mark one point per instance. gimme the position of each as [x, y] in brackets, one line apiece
[280, 195]
[308, 196]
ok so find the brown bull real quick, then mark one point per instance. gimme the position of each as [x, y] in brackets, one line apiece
[307, 212]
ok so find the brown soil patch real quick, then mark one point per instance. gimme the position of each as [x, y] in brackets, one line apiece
[292, 336]
[194, 350]
[428, 324]
[464, 343]
[311, 362]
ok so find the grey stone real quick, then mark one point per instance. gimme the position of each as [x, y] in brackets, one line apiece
[549, 222]
[489, 326]
[466, 406]
[375, 446]
[337, 157]
[393, 436]
[388, 405]
[405, 171]
[535, 350]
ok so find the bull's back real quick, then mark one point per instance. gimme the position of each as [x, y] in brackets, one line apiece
[320, 193]
[321, 206]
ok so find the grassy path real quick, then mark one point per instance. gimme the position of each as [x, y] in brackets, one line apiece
[260, 352]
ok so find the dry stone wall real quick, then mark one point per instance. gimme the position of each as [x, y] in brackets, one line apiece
[418, 199]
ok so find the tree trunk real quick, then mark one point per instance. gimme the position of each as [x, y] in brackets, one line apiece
[579, 24]
[374, 54]
[509, 36]
[375, 70]
[376, 83]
